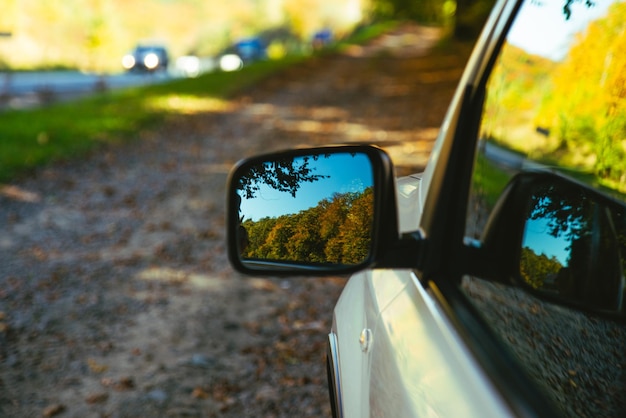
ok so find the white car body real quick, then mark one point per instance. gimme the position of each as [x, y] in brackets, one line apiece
[414, 363]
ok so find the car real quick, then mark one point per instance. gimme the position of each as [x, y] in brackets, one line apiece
[251, 49]
[493, 283]
[146, 58]
[321, 38]
[241, 53]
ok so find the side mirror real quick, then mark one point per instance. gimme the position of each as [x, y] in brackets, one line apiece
[318, 211]
[561, 240]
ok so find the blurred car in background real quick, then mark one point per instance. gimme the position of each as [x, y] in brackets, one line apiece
[242, 53]
[146, 58]
[321, 38]
[251, 49]
[188, 66]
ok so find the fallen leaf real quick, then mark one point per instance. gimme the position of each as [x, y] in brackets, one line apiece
[53, 410]
[96, 367]
[125, 383]
[97, 397]
[200, 393]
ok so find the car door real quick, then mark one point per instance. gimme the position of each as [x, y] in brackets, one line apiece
[551, 320]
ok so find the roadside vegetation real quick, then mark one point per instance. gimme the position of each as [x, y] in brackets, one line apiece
[32, 138]
[95, 38]
[94, 35]
[563, 125]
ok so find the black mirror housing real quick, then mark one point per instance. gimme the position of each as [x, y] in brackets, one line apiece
[318, 211]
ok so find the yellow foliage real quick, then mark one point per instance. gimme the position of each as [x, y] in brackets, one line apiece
[95, 34]
[591, 83]
[276, 51]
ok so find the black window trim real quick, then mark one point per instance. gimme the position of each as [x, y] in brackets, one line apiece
[443, 278]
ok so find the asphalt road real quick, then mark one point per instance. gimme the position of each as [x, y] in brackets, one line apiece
[20, 90]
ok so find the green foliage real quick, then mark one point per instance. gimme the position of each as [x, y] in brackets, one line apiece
[425, 11]
[516, 87]
[365, 33]
[95, 34]
[337, 230]
[570, 113]
[591, 118]
[32, 138]
[536, 268]
[283, 175]
[354, 239]
[488, 181]
[471, 16]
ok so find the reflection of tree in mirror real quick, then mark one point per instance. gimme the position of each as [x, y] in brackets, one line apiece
[595, 234]
[565, 213]
[284, 175]
[536, 269]
[337, 230]
[565, 210]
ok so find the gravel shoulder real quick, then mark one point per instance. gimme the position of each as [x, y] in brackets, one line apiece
[116, 298]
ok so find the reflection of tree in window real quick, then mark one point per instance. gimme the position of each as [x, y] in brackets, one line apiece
[569, 112]
[594, 270]
[589, 121]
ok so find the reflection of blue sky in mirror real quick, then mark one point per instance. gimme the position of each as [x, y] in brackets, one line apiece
[347, 173]
[537, 237]
[541, 27]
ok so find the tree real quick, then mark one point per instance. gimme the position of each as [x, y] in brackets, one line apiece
[592, 116]
[535, 269]
[470, 17]
[566, 209]
[356, 231]
[284, 175]
[424, 11]
[337, 230]
[305, 243]
[334, 216]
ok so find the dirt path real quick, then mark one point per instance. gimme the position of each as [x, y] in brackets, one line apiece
[116, 298]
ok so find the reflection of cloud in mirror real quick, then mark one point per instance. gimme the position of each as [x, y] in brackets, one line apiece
[346, 173]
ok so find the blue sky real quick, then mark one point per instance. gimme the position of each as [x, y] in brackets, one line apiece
[538, 238]
[347, 173]
[541, 27]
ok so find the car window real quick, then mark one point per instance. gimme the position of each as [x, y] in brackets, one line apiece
[556, 104]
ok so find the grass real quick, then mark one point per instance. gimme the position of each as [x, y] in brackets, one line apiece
[31, 138]
[489, 180]
[66, 131]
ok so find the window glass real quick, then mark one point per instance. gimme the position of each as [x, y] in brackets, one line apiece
[556, 103]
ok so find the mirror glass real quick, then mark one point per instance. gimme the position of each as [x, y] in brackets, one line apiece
[310, 209]
[574, 245]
